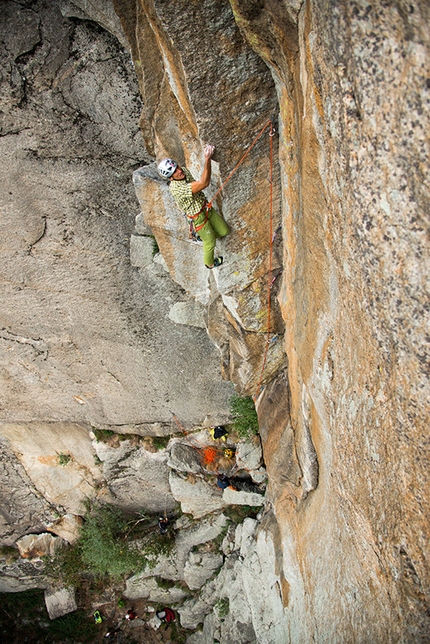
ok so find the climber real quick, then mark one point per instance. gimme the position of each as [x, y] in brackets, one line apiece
[229, 452]
[188, 195]
[163, 525]
[223, 481]
[166, 615]
[97, 617]
[130, 615]
[219, 433]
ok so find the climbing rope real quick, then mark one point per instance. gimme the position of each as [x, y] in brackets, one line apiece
[271, 278]
[269, 124]
[183, 430]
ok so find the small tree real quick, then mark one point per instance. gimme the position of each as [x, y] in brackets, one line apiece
[103, 544]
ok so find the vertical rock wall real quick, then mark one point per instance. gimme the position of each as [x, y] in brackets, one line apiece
[85, 337]
[353, 93]
[201, 82]
[83, 333]
[343, 428]
[348, 485]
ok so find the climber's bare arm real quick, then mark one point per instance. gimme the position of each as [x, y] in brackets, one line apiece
[203, 182]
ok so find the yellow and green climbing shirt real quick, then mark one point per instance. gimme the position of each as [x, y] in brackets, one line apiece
[185, 200]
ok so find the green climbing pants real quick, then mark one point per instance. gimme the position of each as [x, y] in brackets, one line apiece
[214, 228]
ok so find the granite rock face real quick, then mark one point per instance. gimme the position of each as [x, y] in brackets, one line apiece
[36, 546]
[340, 552]
[199, 86]
[135, 478]
[60, 602]
[353, 96]
[351, 82]
[85, 332]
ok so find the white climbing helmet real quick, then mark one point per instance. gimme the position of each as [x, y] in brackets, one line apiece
[167, 167]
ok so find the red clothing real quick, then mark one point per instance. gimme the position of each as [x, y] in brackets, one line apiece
[166, 615]
[170, 615]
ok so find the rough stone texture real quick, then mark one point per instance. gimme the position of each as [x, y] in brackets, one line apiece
[58, 459]
[141, 251]
[137, 480]
[353, 92]
[350, 470]
[67, 527]
[84, 335]
[188, 535]
[197, 496]
[236, 497]
[255, 612]
[21, 575]
[22, 508]
[36, 546]
[343, 431]
[185, 97]
[191, 313]
[60, 602]
[249, 455]
[184, 458]
[101, 11]
[200, 567]
[193, 611]
[281, 444]
[148, 588]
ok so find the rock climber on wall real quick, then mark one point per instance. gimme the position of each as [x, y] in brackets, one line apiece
[188, 195]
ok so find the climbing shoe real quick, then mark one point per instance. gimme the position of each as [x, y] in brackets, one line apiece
[217, 262]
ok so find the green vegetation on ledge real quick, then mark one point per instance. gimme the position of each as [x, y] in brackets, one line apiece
[111, 546]
[245, 419]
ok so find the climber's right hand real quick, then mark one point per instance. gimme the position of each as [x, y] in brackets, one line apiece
[209, 151]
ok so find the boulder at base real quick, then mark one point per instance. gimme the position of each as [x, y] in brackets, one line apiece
[60, 602]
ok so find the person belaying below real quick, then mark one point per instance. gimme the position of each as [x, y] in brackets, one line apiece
[189, 197]
[223, 481]
[219, 433]
[163, 524]
[166, 615]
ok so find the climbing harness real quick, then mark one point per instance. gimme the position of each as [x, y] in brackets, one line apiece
[192, 217]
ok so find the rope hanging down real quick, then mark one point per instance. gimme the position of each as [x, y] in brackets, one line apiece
[241, 160]
[271, 280]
